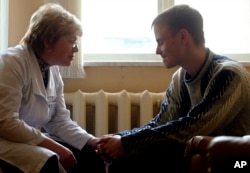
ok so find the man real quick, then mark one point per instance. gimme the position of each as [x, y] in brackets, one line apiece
[208, 95]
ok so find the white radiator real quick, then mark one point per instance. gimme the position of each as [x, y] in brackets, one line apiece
[101, 101]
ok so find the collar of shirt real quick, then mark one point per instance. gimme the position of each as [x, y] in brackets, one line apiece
[44, 66]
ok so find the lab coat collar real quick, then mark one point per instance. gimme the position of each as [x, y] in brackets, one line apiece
[37, 79]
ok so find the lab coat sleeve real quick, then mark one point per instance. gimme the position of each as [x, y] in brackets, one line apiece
[12, 80]
[61, 125]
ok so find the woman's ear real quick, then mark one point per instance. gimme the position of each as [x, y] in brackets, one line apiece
[47, 45]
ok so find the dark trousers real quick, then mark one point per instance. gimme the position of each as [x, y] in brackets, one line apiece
[87, 162]
[159, 157]
[50, 166]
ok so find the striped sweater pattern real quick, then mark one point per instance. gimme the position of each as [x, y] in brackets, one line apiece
[214, 102]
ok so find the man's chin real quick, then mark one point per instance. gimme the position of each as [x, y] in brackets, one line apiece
[168, 66]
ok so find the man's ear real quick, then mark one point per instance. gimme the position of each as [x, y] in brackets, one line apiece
[184, 34]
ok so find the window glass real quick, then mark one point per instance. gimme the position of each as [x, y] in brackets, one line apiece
[118, 26]
[226, 24]
[116, 30]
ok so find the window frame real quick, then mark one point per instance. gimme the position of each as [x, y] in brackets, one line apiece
[4, 15]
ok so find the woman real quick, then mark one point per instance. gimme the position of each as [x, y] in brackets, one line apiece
[31, 98]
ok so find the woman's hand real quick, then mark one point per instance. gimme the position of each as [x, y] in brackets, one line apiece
[67, 158]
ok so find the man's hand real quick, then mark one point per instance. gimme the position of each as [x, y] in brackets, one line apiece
[110, 147]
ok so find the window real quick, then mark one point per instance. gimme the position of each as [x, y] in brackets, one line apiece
[226, 25]
[120, 30]
[116, 26]
[116, 29]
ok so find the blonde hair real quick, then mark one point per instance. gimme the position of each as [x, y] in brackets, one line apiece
[51, 21]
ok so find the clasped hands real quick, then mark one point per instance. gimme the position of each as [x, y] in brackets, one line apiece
[109, 147]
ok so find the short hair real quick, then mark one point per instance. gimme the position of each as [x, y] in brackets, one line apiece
[183, 16]
[51, 21]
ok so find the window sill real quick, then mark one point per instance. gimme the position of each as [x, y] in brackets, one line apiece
[245, 63]
[138, 60]
[135, 64]
[123, 64]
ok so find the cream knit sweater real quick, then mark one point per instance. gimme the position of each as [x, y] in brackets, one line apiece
[215, 102]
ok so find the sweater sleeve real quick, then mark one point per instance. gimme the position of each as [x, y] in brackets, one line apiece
[218, 108]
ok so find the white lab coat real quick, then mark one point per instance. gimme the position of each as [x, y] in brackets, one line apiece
[26, 106]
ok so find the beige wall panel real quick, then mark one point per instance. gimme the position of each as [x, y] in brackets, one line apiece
[113, 79]
[20, 12]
